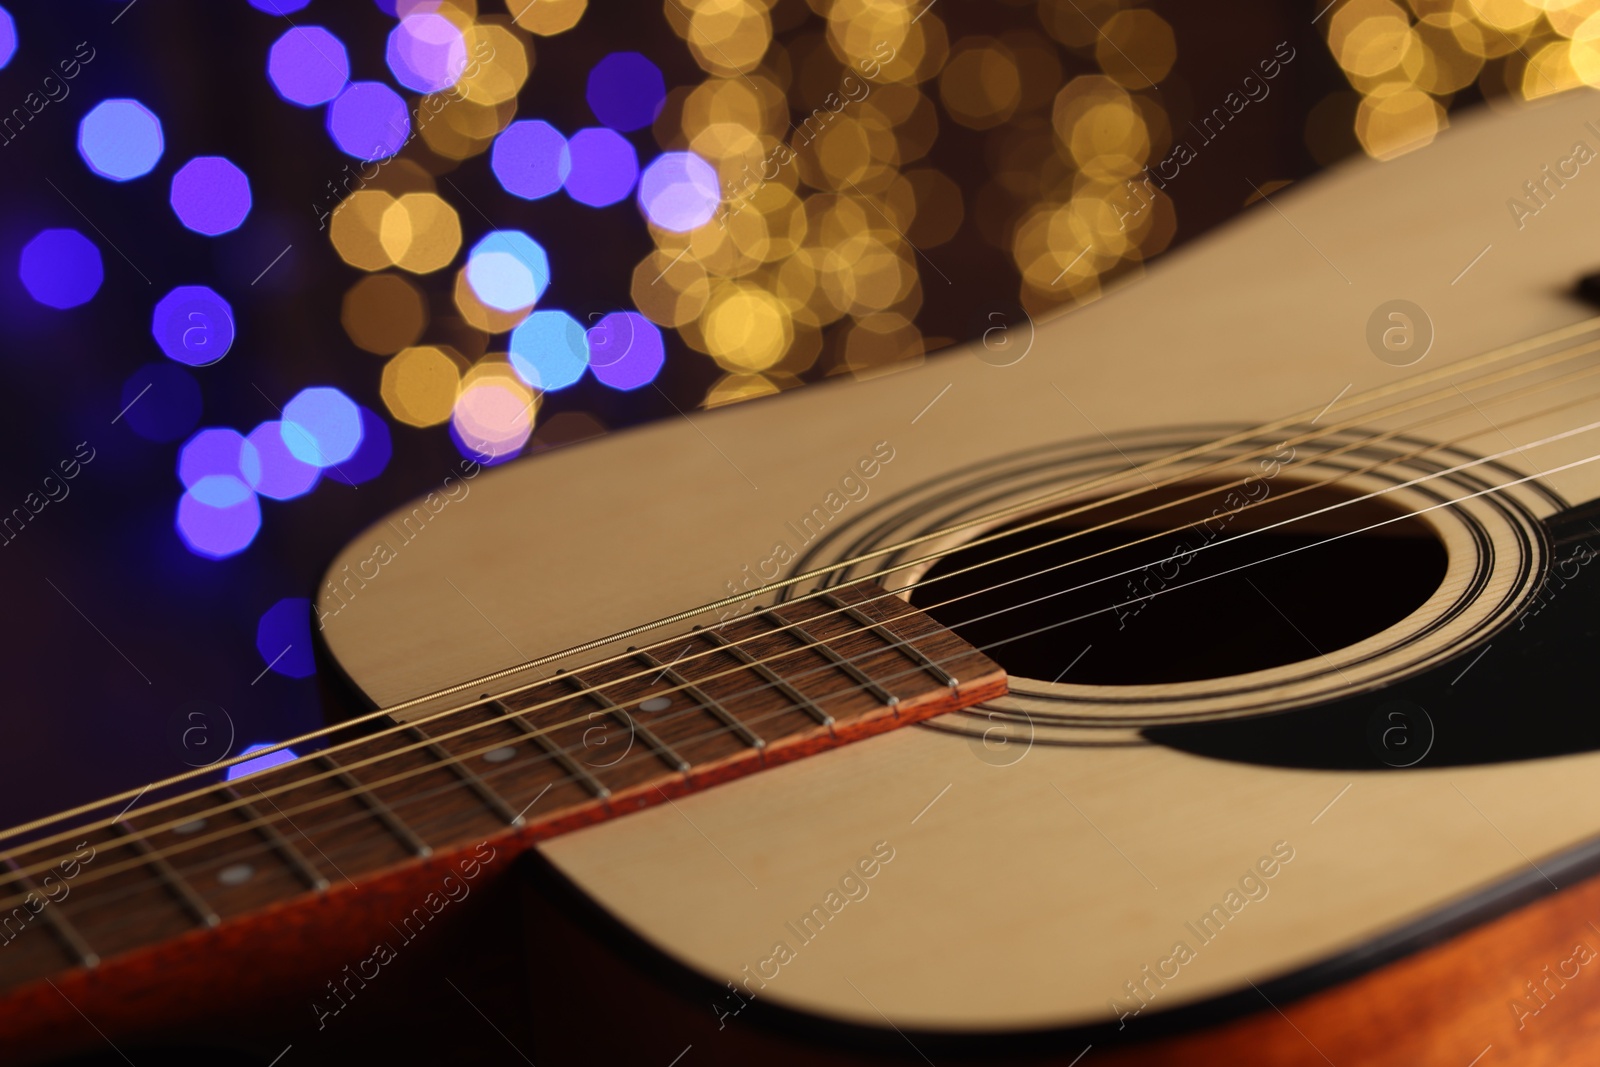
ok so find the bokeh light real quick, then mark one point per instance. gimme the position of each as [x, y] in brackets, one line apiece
[626, 91]
[679, 191]
[218, 516]
[508, 270]
[8, 37]
[160, 402]
[321, 426]
[420, 385]
[218, 450]
[530, 159]
[604, 167]
[625, 350]
[548, 17]
[426, 52]
[210, 195]
[549, 350]
[271, 759]
[193, 325]
[371, 457]
[61, 268]
[420, 232]
[494, 413]
[277, 472]
[383, 313]
[369, 121]
[308, 66]
[279, 7]
[120, 139]
[283, 638]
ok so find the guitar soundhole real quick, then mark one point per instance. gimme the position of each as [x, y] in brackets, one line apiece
[1189, 592]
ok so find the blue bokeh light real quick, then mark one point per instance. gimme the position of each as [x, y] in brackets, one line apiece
[308, 66]
[193, 325]
[218, 516]
[626, 350]
[61, 268]
[372, 457]
[217, 451]
[260, 763]
[508, 270]
[278, 473]
[160, 402]
[283, 637]
[549, 350]
[369, 121]
[426, 52]
[120, 139]
[530, 159]
[321, 426]
[8, 37]
[626, 91]
[210, 195]
[679, 191]
[604, 167]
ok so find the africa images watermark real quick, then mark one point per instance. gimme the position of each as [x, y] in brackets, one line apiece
[54, 89]
[1142, 991]
[36, 900]
[55, 490]
[853, 887]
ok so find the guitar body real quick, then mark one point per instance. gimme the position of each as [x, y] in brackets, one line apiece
[1054, 848]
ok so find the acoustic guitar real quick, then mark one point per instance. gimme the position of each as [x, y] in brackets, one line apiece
[1206, 676]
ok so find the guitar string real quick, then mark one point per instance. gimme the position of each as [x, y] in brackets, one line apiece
[1493, 356]
[617, 681]
[1571, 376]
[104, 873]
[322, 802]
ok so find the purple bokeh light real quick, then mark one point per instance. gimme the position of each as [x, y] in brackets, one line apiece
[308, 66]
[210, 195]
[283, 638]
[218, 516]
[279, 7]
[679, 191]
[508, 270]
[8, 37]
[321, 426]
[369, 121]
[426, 52]
[61, 268]
[277, 472]
[260, 763]
[625, 350]
[530, 159]
[215, 451]
[626, 91]
[193, 325]
[120, 139]
[371, 457]
[604, 167]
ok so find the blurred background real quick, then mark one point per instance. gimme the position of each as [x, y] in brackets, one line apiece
[269, 269]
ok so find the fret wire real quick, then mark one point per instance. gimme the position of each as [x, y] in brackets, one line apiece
[1431, 448]
[704, 699]
[654, 743]
[809, 640]
[562, 757]
[1561, 335]
[385, 814]
[278, 843]
[771, 677]
[867, 622]
[175, 883]
[434, 715]
[486, 793]
[59, 924]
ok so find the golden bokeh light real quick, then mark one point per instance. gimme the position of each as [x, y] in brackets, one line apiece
[746, 329]
[420, 232]
[383, 313]
[355, 229]
[420, 384]
[547, 18]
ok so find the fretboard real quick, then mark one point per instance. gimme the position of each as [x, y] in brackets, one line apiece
[581, 747]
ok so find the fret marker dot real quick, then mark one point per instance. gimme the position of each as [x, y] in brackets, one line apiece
[499, 755]
[655, 704]
[193, 826]
[238, 874]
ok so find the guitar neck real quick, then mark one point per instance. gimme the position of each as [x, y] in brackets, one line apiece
[404, 819]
